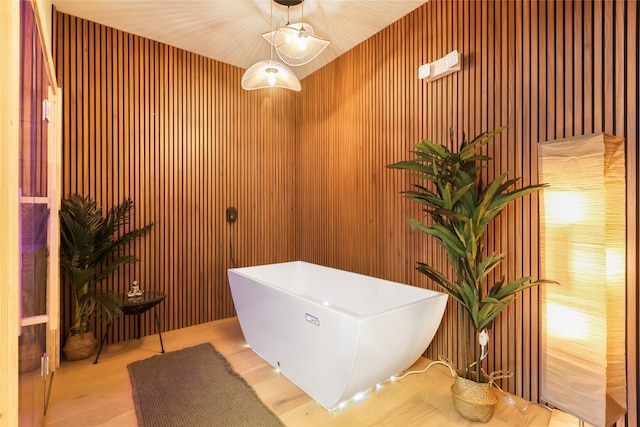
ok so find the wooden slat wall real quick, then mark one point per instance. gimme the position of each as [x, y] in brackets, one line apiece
[548, 70]
[175, 132]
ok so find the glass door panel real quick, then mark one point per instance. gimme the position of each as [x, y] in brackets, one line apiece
[34, 215]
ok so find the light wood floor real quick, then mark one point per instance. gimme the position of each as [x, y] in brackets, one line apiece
[84, 394]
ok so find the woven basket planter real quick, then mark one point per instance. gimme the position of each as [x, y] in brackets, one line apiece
[474, 401]
[80, 346]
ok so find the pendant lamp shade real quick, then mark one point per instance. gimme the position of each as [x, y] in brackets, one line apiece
[270, 73]
[296, 44]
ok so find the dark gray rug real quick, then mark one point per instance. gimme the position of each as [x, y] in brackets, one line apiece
[195, 386]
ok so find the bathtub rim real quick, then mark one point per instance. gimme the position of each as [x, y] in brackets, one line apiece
[435, 294]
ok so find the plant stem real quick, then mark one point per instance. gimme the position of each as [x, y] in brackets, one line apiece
[463, 330]
[478, 356]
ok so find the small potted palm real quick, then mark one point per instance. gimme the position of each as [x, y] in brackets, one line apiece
[91, 248]
[459, 206]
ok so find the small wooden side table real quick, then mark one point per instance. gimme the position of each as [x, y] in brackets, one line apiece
[136, 306]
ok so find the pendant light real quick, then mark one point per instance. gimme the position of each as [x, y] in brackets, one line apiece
[269, 73]
[296, 43]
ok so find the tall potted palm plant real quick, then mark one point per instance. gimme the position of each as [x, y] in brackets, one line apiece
[459, 207]
[92, 246]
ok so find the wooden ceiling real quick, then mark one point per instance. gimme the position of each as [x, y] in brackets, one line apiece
[230, 30]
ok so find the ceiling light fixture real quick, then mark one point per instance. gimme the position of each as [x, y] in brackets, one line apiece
[269, 73]
[296, 43]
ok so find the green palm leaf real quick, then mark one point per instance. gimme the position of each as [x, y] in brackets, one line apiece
[91, 249]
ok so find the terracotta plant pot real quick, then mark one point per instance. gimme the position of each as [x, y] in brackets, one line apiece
[474, 401]
[80, 346]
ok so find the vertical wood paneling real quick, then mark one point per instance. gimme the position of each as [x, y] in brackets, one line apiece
[175, 132]
[546, 69]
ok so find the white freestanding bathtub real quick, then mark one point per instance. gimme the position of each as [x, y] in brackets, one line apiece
[333, 333]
